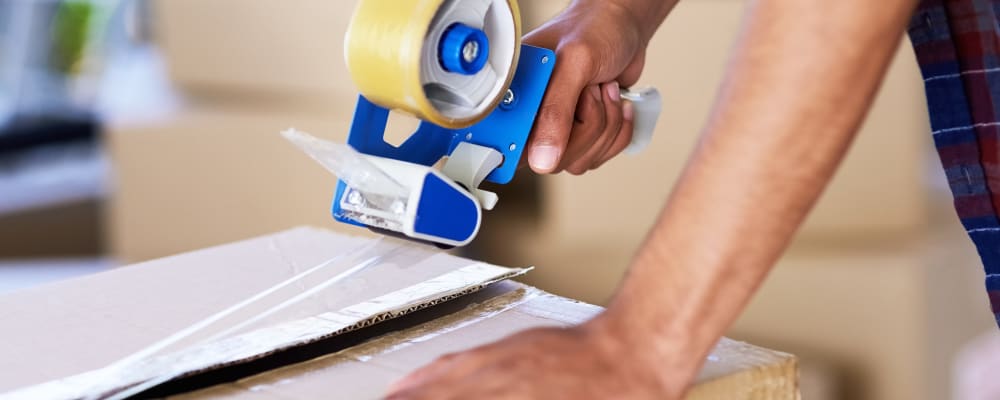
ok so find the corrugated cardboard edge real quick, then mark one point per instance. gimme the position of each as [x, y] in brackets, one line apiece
[470, 315]
[759, 374]
[263, 342]
[733, 371]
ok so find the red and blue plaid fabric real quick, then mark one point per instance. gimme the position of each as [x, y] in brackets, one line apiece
[957, 43]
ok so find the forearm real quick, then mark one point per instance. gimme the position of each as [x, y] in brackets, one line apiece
[799, 85]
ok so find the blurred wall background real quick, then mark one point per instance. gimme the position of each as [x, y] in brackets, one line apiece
[877, 294]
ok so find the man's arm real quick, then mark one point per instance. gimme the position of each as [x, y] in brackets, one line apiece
[800, 83]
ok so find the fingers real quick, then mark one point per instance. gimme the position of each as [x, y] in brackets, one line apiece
[611, 95]
[624, 137]
[579, 126]
[419, 376]
[449, 367]
[502, 369]
[586, 134]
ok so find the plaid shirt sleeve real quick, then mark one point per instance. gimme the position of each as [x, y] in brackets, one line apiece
[957, 43]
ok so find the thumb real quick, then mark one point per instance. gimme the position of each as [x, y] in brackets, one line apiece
[557, 113]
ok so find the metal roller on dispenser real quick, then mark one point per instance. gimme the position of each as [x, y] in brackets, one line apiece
[460, 67]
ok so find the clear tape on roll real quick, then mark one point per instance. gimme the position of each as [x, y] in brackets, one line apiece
[391, 49]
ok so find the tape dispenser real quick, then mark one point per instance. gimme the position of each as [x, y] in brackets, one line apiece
[458, 66]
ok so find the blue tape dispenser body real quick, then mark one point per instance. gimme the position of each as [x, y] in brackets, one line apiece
[444, 207]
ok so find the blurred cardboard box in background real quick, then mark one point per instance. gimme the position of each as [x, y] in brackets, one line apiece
[292, 55]
[890, 317]
[236, 51]
[66, 230]
[210, 176]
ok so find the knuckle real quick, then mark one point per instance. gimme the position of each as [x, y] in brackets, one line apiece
[575, 50]
[578, 56]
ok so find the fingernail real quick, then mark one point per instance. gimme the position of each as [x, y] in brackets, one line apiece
[628, 112]
[614, 92]
[544, 158]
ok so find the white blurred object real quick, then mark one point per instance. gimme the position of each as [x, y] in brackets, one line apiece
[976, 369]
[133, 85]
[135, 88]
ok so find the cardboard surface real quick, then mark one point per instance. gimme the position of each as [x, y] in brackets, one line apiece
[69, 328]
[734, 371]
[113, 315]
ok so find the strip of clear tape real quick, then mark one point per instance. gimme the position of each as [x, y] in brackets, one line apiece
[350, 166]
[311, 292]
[373, 198]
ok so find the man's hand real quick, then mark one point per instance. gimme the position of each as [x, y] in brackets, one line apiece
[551, 363]
[583, 122]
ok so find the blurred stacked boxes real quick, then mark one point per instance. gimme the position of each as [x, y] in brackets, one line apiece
[879, 289]
[216, 170]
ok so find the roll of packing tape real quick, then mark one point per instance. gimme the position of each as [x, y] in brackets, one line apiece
[448, 62]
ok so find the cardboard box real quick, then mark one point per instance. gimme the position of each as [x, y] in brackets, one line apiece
[64, 230]
[355, 335]
[238, 49]
[894, 316]
[212, 175]
[363, 371]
